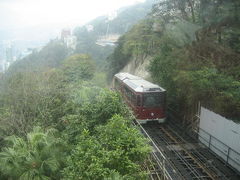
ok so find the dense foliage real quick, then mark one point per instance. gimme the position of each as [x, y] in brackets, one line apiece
[56, 119]
[40, 156]
[194, 45]
[59, 124]
[112, 148]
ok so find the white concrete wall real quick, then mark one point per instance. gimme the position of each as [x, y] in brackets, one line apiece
[221, 135]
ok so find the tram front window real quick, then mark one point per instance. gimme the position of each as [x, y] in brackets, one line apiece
[153, 100]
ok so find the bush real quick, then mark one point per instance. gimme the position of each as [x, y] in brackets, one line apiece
[115, 147]
[40, 156]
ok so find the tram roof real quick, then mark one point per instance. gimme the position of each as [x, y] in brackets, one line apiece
[141, 85]
[138, 84]
[122, 76]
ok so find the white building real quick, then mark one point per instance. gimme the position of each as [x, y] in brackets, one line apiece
[69, 39]
[71, 42]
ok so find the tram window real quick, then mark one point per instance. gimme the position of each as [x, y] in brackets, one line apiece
[130, 95]
[153, 100]
[127, 93]
[117, 84]
[138, 100]
[134, 99]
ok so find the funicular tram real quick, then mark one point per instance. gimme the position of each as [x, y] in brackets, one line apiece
[147, 100]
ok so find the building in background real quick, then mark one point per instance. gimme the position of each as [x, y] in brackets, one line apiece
[71, 42]
[65, 33]
[9, 52]
[12, 50]
[6, 55]
[108, 40]
[2, 56]
[68, 39]
[2, 65]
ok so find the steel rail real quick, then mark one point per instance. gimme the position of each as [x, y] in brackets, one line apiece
[181, 158]
[163, 138]
[210, 174]
[200, 157]
[202, 153]
[150, 167]
[163, 163]
[154, 173]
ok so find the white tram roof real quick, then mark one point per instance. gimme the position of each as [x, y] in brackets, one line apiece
[123, 76]
[138, 84]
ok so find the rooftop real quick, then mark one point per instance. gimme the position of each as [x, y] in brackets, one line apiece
[138, 84]
[123, 76]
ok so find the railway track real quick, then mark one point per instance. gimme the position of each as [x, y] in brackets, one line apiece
[152, 168]
[183, 156]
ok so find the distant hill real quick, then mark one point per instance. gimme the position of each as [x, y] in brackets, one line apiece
[52, 54]
[125, 18]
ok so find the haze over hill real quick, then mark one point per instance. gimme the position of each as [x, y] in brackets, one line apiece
[104, 26]
[117, 22]
[26, 26]
[29, 15]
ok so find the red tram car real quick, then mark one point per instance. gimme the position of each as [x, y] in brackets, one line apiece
[147, 100]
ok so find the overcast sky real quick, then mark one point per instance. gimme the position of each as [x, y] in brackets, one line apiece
[27, 13]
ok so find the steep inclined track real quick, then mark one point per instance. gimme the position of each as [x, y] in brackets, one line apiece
[153, 169]
[186, 158]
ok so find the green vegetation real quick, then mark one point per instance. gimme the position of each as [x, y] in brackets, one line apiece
[56, 119]
[194, 47]
[40, 156]
[58, 124]
[138, 42]
[113, 148]
[78, 67]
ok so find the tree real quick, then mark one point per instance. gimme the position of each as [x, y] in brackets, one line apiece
[105, 105]
[116, 147]
[32, 99]
[126, 148]
[87, 159]
[40, 156]
[78, 67]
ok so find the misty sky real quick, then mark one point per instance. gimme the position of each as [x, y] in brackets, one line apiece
[27, 13]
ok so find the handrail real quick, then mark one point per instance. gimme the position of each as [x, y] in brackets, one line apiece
[223, 152]
[164, 159]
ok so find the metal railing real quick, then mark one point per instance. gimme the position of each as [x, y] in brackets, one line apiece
[157, 154]
[229, 155]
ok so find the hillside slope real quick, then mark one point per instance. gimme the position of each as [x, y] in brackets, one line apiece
[195, 54]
